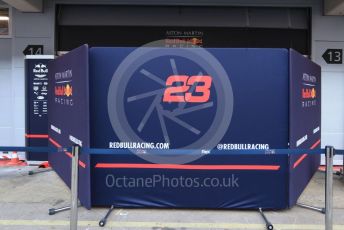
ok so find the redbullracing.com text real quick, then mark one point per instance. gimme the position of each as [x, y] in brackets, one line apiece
[138, 145]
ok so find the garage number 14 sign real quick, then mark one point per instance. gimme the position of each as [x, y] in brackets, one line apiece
[333, 56]
[33, 50]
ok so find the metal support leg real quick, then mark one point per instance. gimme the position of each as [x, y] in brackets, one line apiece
[341, 171]
[338, 173]
[268, 224]
[43, 167]
[329, 150]
[322, 210]
[102, 222]
[74, 188]
[53, 211]
[39, 171]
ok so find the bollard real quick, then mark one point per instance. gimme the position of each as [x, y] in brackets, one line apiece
[74, 188]
[329, 151]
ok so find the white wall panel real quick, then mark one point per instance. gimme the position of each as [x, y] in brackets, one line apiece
[334, 139]
[6, 112]
[28, 28]
[19, 112]
[19, 137]
[332, 110]
[5, 83]
[5, 53]
[6, 136]
[333, 102]
[19, 140]
[328, 32]
[5, 98]
[18, 82]
[33, 24]
[327, 28]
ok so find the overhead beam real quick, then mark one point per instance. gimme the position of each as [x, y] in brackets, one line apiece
[28, 6]
[334, 7]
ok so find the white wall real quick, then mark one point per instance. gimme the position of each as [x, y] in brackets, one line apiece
[328, 32]
[27, 28]
[38, 28]
[6, 92]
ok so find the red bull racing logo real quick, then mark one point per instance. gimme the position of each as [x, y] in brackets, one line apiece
[63, 88]
[308, 90]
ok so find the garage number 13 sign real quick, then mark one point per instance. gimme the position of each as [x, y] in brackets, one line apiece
[333, 56]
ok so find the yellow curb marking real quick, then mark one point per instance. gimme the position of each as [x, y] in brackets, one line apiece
[125, 224]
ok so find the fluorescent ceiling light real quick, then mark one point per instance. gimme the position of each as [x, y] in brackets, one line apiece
[4, 18]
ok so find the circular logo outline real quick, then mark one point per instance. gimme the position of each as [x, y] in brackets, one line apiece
[199, 56]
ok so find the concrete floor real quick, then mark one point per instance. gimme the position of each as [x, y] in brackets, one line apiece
[25, 200]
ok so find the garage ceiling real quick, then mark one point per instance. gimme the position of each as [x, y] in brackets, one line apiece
[331, 7]
[33, 6]
[334, 7]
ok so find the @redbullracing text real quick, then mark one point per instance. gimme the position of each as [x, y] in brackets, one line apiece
[242, 146]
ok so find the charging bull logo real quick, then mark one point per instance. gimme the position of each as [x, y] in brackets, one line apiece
[197, 41]
[40, 70]
[308, 93]
[68, 90]
[64, 90]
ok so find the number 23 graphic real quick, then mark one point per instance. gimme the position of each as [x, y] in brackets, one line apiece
[185, 82]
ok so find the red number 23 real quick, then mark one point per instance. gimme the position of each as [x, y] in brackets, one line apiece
[174, 93]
